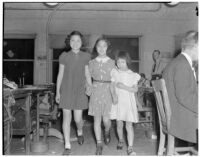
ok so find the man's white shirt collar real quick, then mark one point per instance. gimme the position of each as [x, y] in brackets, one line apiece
[188, 58]
[190, 62]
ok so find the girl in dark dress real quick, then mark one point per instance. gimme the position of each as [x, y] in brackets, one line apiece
[70, 91]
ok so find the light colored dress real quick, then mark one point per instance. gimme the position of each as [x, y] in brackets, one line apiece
[126, 108]
[101, 99]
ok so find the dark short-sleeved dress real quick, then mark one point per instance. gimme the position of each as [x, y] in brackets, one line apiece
[73, 83]
[101, 99]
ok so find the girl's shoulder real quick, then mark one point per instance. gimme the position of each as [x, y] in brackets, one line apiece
[92, 62]
[63, 58]
[111, 60]
[132, 72]
[64, 54]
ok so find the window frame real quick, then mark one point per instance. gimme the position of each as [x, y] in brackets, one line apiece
[21, 36]
[139, 45]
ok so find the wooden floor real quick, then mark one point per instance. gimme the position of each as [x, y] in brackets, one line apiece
[142, 144]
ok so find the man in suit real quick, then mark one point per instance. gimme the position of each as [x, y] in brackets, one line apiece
[182, 89]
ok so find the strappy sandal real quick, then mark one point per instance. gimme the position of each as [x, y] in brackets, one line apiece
[130, 151]
[120, 145]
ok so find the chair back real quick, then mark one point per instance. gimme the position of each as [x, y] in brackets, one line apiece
[162, 103]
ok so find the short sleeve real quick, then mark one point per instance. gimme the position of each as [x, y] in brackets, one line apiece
[137, 77]
[62, 58]
[113, 74]
[88, 58]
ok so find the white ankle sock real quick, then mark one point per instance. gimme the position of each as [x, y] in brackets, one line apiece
[80, 132]
[67, 145]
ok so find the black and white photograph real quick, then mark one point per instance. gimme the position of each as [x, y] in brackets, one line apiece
[111, 78]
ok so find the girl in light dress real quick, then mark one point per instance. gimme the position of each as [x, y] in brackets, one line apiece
[124, 86]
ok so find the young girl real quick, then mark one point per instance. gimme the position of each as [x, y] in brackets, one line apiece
[70, 91]
[125, 82]
[99, 71]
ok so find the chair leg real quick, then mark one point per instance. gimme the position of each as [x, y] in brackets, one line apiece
[161, 143]
[45, 132]
[170, 145]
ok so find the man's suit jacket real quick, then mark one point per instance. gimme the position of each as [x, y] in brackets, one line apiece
[183, 96]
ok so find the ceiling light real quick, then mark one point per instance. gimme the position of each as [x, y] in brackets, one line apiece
[51, 5]
[172, 4]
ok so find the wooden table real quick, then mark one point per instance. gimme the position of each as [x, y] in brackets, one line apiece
[27, 94]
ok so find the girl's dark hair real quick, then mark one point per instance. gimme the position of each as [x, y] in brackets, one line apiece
[123, 55]
[157, 51]
[75, 33]
[67, 40]
[94, 51]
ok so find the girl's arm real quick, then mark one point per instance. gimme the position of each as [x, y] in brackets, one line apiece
[88, 75]
[113, 92]
[88, 85]
[130, 89]
[59, 80]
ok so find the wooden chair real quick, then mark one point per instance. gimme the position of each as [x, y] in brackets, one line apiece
[147, 110]
[164, 114]
[48, 113]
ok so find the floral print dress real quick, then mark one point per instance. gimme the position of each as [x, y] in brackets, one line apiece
[101, 99]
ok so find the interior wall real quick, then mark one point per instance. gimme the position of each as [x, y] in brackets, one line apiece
[157, 31]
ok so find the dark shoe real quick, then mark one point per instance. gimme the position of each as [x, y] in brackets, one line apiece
[107, 137]
[67, 151]
[80, 139]
[99, 149]
[130, 151]
[120, 145]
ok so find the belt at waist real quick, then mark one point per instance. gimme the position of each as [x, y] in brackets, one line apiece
[102, 81]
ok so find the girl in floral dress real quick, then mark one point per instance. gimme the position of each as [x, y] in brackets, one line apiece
[99, 80]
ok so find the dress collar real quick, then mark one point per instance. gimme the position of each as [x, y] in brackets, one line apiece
[103, 60]
[75, 53]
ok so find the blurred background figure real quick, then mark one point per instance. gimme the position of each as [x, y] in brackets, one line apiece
[158, 65]
[144, 82]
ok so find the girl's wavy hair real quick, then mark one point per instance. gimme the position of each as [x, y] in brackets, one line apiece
[94, 51]
[123, 55]
[67, 40]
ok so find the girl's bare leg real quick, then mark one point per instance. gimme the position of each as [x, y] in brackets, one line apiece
[97, 127]
[66, 127]
[130, 133]
[120, 126]
[79, 121]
